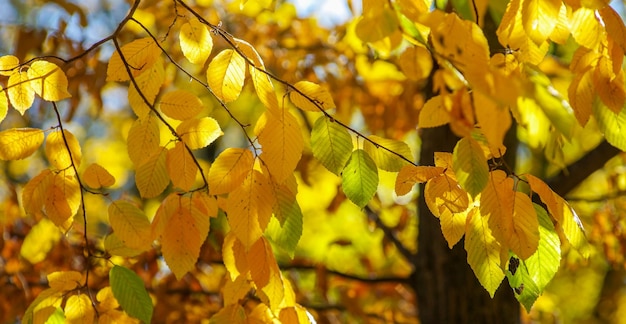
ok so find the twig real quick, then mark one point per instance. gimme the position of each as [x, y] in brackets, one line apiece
[389, 234]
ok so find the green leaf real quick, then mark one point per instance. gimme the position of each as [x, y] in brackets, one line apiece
[483, 252]
[360, 178]
[58, 317]
[525, 289]
[544, 264]
[470, 166]
[385, 159]
[553, 105]
[285, 229]
[331, 144]
[130, 292]
[612, 125]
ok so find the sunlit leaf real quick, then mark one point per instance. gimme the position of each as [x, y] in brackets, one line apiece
[614, 26]
[64, 280]
[62, 148]
[39, 241]
[442, 193]
[544, 263]
[612, 125]
[140, 55]
[539, 18]
[7, 64]
[130, 224]
[195, 41]
[149, 83]
[95, 176]
[236, 290]
[235, 256]
[233, 313]
[331, 144]
[199, 132]
[376, 25]
[520, 279]
[581, 94]
[608, 85]
[416, 62]
[180, 104]
[115, 246]
[483, 252]
[556, 108]
[286, 230]
[384, 159]
[250, 208]
[453, 225]
[494, 119]
[19, 143]
[433, 113]
[226, 75]
[4, 104]
[78, 309]
[21, 94]
[585, 27]
[181, 167]
[409, 175]
[62, 200]
[129, 290]
[48, 297]
[229, 170]
[360, 178]
[48, 81]
[282, 144]
[151, 176]
[143, 139]
[35, 192]
[470, 166]
[320, 97]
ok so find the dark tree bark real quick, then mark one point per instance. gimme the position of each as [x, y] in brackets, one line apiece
[447, 289]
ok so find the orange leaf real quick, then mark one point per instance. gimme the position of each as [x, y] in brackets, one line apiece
[95, 176]
[409, 175]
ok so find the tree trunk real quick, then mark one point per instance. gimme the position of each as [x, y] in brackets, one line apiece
[447, 289]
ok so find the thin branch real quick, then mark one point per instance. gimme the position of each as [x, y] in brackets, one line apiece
[371, 280]
[389, 234]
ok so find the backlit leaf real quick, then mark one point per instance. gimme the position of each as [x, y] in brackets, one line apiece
[497, 203]
[608, 85]
[149, 83]
[612, 125]
[470, 166]
[483, 252]
[143, 139]
[233, 313]
[19, 143]
[39, 241]
[250, 208]
[539, 18]
[331, 144]
[229, 170]
[384, 159]
[48, 81]
[585, 27]
[78, 309]
[282, 144]
[376, 25]
[416, 62]
[35, 191]
[453, 225]
[443, 193]
[7, 64]
[320, 96]
[581, 94]
[520, 279]
[115, 246]
[140, 55]
[614, 26]
[433, 113]
[544, 263]
[46, 298]
[263, 266]
[494, 119]
[234, 291]
[58, 154]
[195, 41]
[21, 94]
[64, 280]
[524, 238]
[180, 104]
[129, 290]
[235, 256]
[181, 167]
[199, 132]
[95, 176]
[62, 200]
[186, 229]
[553, 105]
[285, 229]
[151, 176]
[409, 175]
[4, 104]
[226, 75]
[360, 178]
[130, 224]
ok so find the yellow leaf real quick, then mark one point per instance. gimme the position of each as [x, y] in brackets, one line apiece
[384, 159]
[433, 113]
[143, 139]
[585, 28]
[229, 170]
[140, 55]
[614, 24]
[65, 280]
[114, 246]
[234, 291]
[48, 298]
[524, 239]
[497, 203]
[195, 41]
[226, 75]
[39, 241]
[453, 225]
[62, 200]
[21, 94]
[512, 34]
[149, 83]
[19, 143]
[282, 144]
[7, 64]
[443, 193]
[443, 160]
[48, 81]
[581, 93]
[205, 203]
[260, 259]
[377, 24]
[180, 104]
[4, 104]
[35, 191]
[78, 309]
[106, 299]
[494, 119]
[409, 175]
[539, 18]
[320, 96]
[151, 176]
[199, 132]
[413, 9]
[608, 85]
[416, 62]
[186, 229]
[250, 208]
[60, 155]
[483, 252]
[95, 176]
[130, 224]
[232, 314]
[560, 33]
[181, 167]
[235, 257]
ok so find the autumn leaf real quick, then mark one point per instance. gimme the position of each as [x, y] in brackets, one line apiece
[195, 41]
[96, 176]
[39, 241]
[409, 175]
[65, 280]
[282, 144]
[130, 224]
[383, 158]
[470, 166]
[78, 309]
[229, 170]
[181, 167]
[58, 154]
[151, 176]
[321, 98]
[7, 64]
[199, 132]
[143, 139]
[331, 144]
[180, 104]
[20, 143]
[226, 75]
[21, 94]
[4, 104]
[140, 55]
[360, 178]
[149, 83]
[48, 81]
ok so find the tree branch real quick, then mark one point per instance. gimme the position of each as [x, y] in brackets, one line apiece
[398, 280]
[389, 234]
[566, 180]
